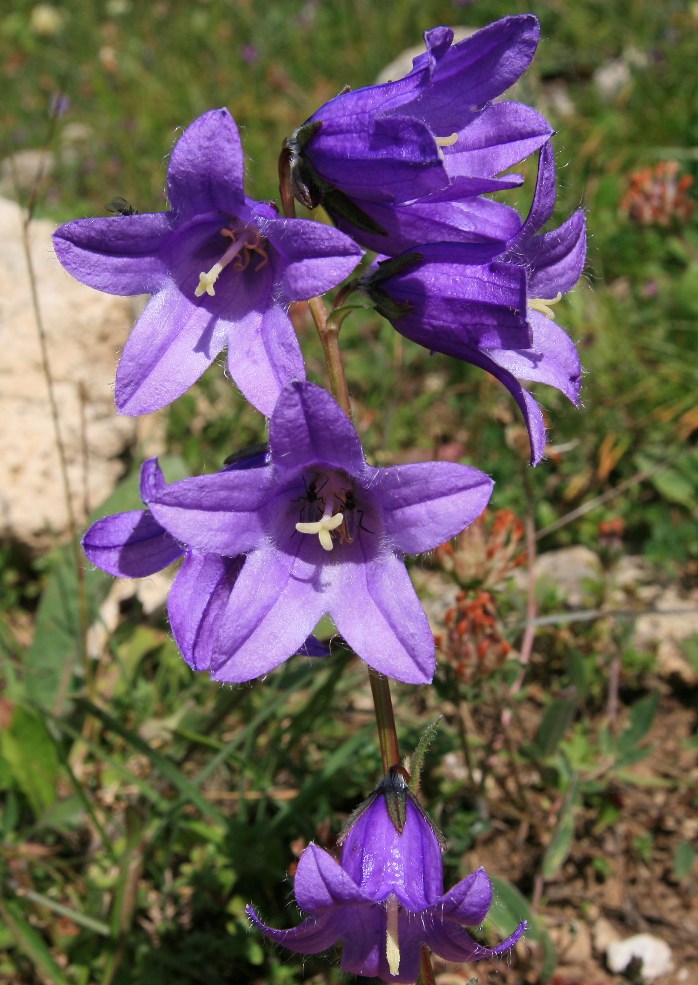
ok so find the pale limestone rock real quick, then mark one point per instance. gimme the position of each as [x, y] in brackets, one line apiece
[84, 332]
[673, 621]
[572, 570]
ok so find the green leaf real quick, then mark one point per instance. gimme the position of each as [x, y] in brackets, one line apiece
[684, 858]
[641, 717]
[30, 943]
[32, 758]
[557, 718]
[559, 847]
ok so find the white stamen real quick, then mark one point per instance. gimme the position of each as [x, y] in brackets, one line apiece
[392, 945]
[544, 305]
[323, 528]
[207, 278]
[446, 141]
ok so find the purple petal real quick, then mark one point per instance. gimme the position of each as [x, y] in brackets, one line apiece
[130, 545]
[379, 615]
[503, 135]
[320, 881]
[556, 259]
[380, 860]
[426, 504]
[271, 612]
[364, 935]
[456, 303]
[392, 159]
[527, 404]
[216, 514]
[118, 254]
[469, 901]
[452, 943]
[552, 359]
[543, 198]
[471, 73]
[467, 220]
[313, 257]
[207, 167]
[314, 935]
[309, 428]
[153, 481]
[264, 355]
[171, 345]
[313, 647]
[197, 599]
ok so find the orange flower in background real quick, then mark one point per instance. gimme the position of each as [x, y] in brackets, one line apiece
[657, 196]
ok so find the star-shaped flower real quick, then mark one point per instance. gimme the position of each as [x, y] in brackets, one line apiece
[385, 899]
[322, 532]
[497, 314]
[222, 270]
[434, 131]
[135, 545]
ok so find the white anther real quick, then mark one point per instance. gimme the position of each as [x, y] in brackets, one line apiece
[323, 528]
[544, 305]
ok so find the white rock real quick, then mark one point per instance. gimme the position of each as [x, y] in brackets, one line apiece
[84, 333]
[654, 953]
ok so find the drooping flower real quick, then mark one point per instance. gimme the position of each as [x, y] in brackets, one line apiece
[135, 545]
[322, 532]
[385, 899]
[436, 128]
[496, 314]
[222, 270]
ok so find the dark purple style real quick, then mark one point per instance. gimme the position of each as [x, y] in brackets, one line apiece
[497, 314]
[385, 899]
[222, 270]
[270, 550]
[434, 132]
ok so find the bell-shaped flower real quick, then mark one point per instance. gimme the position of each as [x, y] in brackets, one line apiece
[135, 545]
[496, 314]
[385, 900]
[404, 141]
[222, 270]
[322, 532]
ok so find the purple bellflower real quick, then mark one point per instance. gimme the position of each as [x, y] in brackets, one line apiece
[496, 314]
[222, 270]
[385, 899]
[134, 545]
[321, 532]
[434, 131]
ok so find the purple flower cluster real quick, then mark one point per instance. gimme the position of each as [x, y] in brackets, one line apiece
[307, 527]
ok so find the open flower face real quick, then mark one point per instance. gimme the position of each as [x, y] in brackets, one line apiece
[385, 899]
[222, 270]
[322, 532]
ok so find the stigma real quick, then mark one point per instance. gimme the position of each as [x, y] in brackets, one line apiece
[447, 141]
[544, 305]
[323, 528]
[239, 250]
